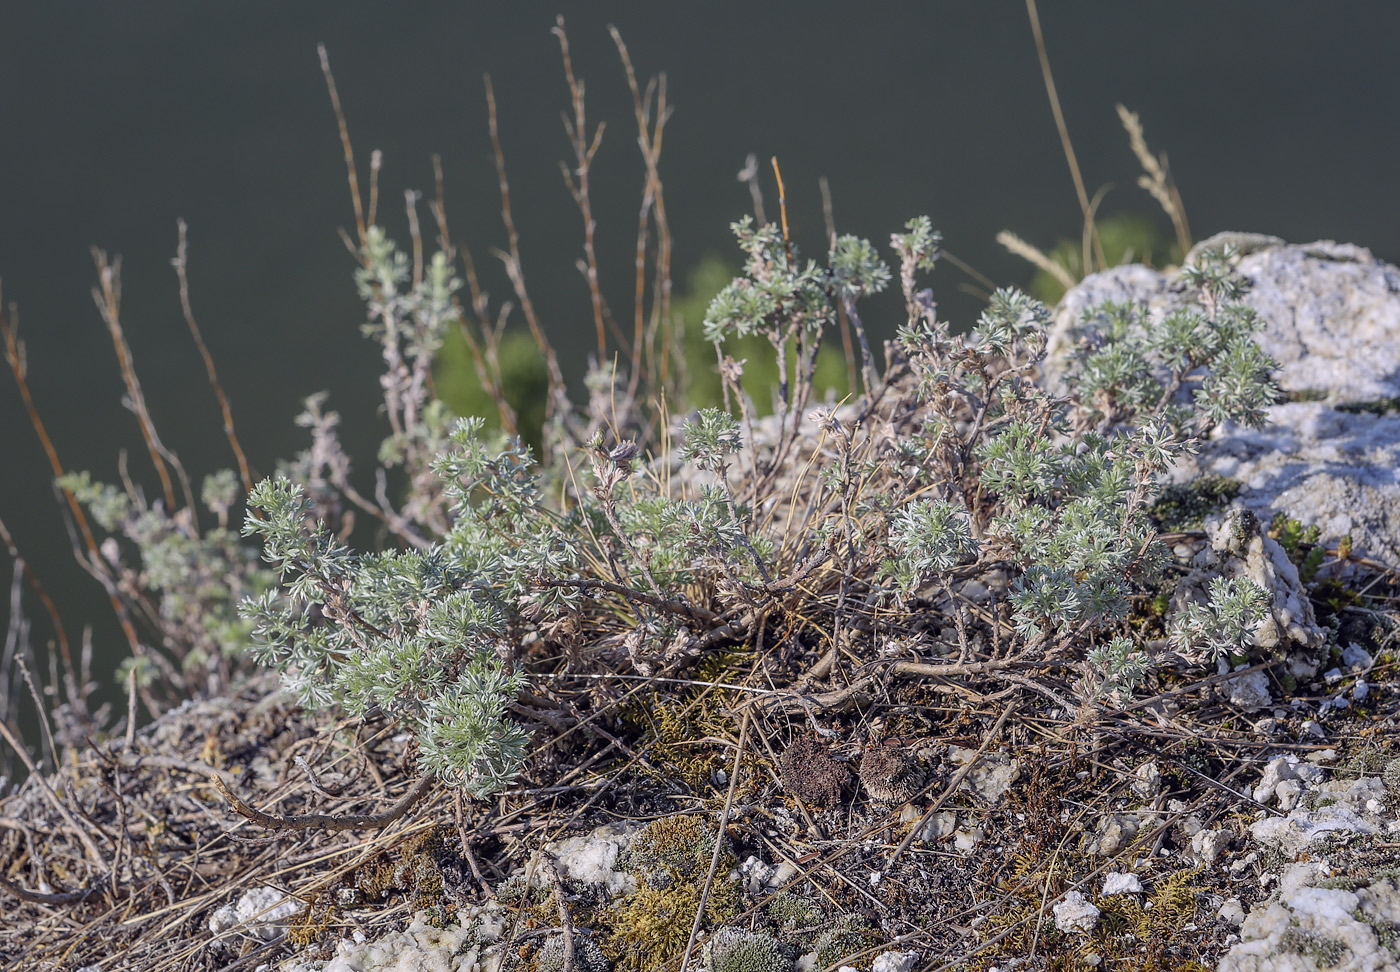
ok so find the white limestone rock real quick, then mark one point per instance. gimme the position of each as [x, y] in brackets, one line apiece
[755, 874]
[1356, 658]
[991, 777]
[894, 962]
[421, 947]
[1232, 912]
[783, 873]
[592, 857]
[1284, 768]
[1112, 834]
[1332, 316]
[966, 838]
[1117, 883]
[261, 914]
[940, 826]
[1301, 827]
[1074, 913]
[1288, 792]
[1310, 928]
[1146, 782]
[1321, 466]
[1207, 845]
[1250, 692]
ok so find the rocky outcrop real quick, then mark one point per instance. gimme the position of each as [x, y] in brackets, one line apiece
[1330, 454]
[1333, 908]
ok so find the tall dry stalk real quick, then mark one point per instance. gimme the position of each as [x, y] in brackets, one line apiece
[1156, 178]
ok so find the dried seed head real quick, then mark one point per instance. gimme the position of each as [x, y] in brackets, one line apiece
[624, 451]
[890, 773]
[826, 420]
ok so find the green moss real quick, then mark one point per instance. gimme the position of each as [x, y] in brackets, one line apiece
[675, 848]
[845, 936]
[1387, 935]
[738, 950]
[1184, 507]
[651, 927]
[1299, 542]
[1325, 952]
[410, 868]
[786, 908]
[1382, 406]
[1369, 760]
[588, 955]
[1391, 775]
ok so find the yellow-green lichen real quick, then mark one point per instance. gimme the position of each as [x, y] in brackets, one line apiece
[674, 848]
[650, 928]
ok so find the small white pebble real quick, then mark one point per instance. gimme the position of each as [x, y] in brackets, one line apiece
[1232, 912]
[894, 962]
[1074, 913]
[1116, 883]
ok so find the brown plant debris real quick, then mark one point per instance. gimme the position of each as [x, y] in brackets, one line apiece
[890, 773]
[812, 775]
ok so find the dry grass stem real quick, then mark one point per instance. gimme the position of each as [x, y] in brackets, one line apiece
[1030, 253]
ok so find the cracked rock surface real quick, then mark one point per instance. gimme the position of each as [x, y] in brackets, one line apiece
[1330, 456]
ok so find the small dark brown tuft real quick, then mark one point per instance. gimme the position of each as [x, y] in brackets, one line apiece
[808, 772]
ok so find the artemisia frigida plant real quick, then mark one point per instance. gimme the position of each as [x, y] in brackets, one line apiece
[953, 463]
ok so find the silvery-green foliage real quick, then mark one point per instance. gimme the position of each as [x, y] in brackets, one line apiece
[588, 955]
[1224, 627]
[919, 245]
[195, 576]
[1069, 510]
[1133, 369]
[463, 736]
[741, 950]
[778, 294]
[780, 297]
[1118, 666]
[502, 527]
[420, 634]
[710, 439]
[1013, 324]
[1214, 277]
[413, 318]
[409, 319]
[220, 492]
[1060, 487]
[932, 537]
[995, 470]
[988, 372]
[856, 269]
[1078, 506]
